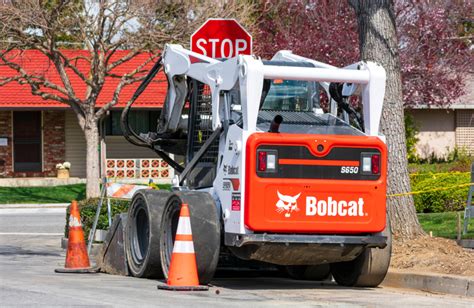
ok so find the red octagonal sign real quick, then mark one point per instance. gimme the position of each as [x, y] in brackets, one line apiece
[221, 38]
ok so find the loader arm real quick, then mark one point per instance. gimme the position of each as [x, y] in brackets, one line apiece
[247, 74]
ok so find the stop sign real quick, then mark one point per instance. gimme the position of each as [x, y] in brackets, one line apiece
[221, 38]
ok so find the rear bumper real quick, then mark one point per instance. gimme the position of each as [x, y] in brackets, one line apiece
[239, 240]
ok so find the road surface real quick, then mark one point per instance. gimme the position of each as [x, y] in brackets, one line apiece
[30, 251]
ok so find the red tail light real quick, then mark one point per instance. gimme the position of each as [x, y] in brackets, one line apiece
[262, 161]
[375, 164]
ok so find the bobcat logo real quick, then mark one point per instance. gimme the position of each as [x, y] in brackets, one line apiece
[287, 204]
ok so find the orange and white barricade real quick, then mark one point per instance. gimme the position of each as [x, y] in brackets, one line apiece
[123, 191]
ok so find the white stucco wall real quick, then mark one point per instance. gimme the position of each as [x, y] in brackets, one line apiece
[437, 131]
[117, 147]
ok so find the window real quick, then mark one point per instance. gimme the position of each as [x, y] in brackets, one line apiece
[141, 121]
[291, 95]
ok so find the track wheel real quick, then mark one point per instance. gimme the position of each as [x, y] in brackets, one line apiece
[308, 272]
[206, 229]
[368, 269]
[143, 233]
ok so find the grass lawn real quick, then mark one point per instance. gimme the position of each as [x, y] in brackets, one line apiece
[440, 167]
[444, 224]
[53, 194]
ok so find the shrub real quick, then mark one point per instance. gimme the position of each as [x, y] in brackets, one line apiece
[442, 200]
[461, 158]
[88, 208]
[411, 131]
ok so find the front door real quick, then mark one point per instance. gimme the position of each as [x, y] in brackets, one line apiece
[27, 141]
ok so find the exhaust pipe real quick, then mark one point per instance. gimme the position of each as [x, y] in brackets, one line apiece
[275, 125]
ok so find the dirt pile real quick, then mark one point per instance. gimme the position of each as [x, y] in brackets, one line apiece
[432, 254]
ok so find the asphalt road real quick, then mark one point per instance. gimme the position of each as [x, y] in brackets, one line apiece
[27, 278]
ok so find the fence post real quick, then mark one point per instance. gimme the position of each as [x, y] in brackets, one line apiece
[469, 208]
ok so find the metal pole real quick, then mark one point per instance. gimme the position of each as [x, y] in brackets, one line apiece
[97, 214]
[469, 209]
[109, 212]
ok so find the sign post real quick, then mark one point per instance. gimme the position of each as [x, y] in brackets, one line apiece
[221, 38]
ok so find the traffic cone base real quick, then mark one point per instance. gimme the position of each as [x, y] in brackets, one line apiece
[182, 274]
[89, 270]
[182, 288]
[77, 260]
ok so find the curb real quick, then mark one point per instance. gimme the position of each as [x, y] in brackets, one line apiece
[434, 283]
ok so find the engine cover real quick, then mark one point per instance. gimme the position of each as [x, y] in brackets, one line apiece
[315, 183]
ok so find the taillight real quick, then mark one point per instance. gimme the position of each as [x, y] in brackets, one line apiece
[262, 161]
[370, 163]
[375, 164]
[267, 160]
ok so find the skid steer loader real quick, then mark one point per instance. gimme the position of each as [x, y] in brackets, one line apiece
[268, 175]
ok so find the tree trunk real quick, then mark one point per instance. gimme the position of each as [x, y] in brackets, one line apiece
[91, 133]
[378, 42]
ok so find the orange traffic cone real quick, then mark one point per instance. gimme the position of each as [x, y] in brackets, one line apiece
[182, 275]
[77, 260]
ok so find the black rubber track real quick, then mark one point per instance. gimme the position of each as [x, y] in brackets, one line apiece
[206, 229]
[369, 268]
[142, 240]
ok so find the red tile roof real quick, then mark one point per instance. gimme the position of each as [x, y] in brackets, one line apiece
[14, 95]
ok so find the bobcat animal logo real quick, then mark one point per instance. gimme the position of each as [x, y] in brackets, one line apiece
[287, 204]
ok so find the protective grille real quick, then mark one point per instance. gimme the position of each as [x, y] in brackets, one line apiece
[203, 125]
[465, 130]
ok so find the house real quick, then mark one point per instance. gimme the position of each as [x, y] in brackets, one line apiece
[37, 134]
[441, 130]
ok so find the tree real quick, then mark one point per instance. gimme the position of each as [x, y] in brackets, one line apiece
[434, 46]
[434, 41]
[101, 28]
[324, 30]
[378, 42]
[328, 31]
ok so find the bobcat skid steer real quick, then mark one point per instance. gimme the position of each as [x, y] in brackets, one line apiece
[268, 174]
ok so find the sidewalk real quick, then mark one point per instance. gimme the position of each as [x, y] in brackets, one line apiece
[39, 182]
[33, 208]
[33, 205]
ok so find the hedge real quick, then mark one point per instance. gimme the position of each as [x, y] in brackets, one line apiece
[88, 208]
[448, 200]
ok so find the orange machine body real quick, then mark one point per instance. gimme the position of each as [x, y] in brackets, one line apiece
[315, 187]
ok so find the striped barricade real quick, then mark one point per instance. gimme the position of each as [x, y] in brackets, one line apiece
[123, 191]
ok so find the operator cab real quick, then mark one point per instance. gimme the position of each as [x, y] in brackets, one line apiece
[298, 102]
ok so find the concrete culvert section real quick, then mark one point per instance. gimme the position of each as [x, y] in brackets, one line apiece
[143, 233]
[205, 227]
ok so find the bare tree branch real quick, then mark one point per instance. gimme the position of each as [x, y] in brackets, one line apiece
[122, 60]
[4, 81]
[68, 64]
[125, 80]
[102, 29]
[34, 80]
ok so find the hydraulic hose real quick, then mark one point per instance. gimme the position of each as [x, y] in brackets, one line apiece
[128, 132]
